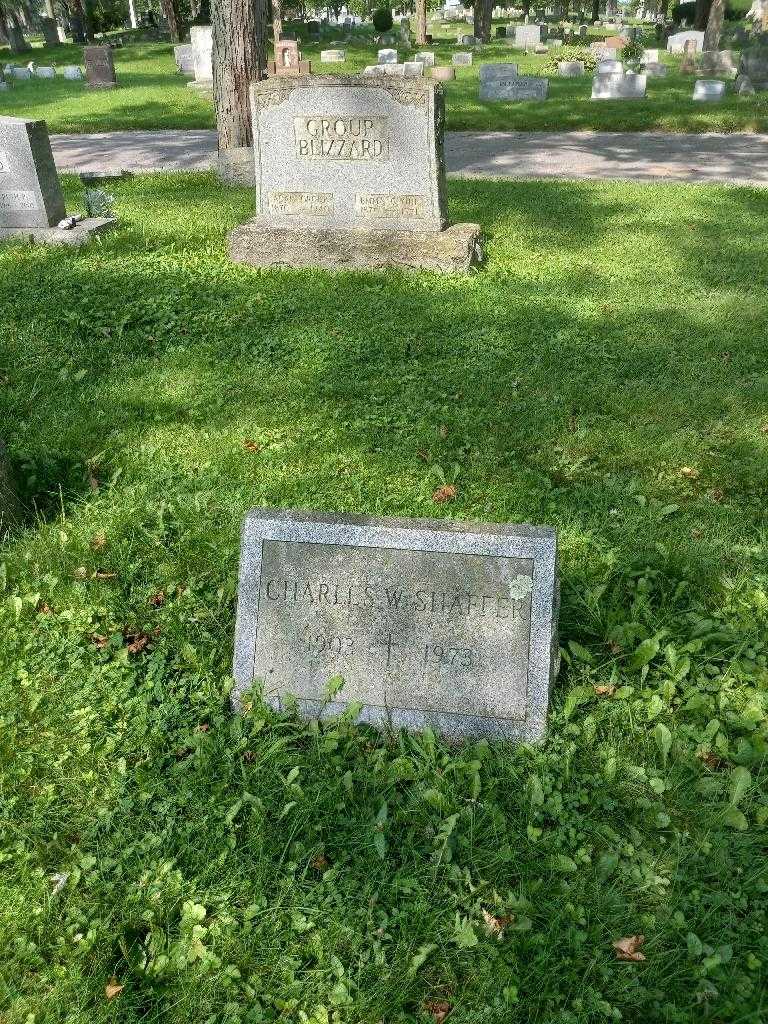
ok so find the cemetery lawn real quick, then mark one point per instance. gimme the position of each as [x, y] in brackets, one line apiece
[153, 96]
[165, 861]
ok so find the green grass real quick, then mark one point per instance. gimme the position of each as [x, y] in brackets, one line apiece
[153, 96]
[605, 373]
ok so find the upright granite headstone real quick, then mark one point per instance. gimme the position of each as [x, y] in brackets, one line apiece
[350, 173]
[570, 68]
[449, 626]
[50, 31]
[184, 57]
[527, 36]
[31, 202]
[708, 90]
[99, 67]
[676, 43]
[461, 60]
[618, 87]
[201, 37]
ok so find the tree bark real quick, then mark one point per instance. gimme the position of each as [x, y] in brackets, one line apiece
[702, 15]
[239, 58]
[171, 15]
[595, 11]
[482, 20]
[421, 22]
[11, 29]
[714, 28]
[277, 20]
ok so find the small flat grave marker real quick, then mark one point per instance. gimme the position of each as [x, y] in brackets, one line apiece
[618, 87]
[708, 90]
[449, 626]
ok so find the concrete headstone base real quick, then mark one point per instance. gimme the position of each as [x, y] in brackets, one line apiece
[78, 235]
[452, 251]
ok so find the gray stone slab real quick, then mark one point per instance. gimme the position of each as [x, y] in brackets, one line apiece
[570, 68]
[515, 87]
[427, 58]
[610, 67]
[45, 72]
[494, 72]
[184, 56]
[387, 56]
[82, 232]
[451, 626]
[618, 87]
[201, 38]
[72, 73]
[653, 69]
[527, 36]
[99, 67]
[461, 59]
[30, 195]
[333, 56]
[708, 90]
[676, 43]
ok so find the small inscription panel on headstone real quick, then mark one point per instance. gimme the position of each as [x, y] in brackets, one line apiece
[328, 137]
[30, 195]
[298, 204]
[18, 201]
[451, 626]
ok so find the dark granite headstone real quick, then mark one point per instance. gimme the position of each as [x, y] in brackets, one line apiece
[99, 67]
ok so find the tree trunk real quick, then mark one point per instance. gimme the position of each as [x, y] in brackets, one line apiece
[11, 29]
[595, 11]
[664, 9]
[239, 58]
[421, 22]
[714, 27]
[277, 20]
[171, 15]
[702, 14]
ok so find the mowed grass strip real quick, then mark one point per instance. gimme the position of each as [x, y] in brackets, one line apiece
[605, 373]
[153, 96]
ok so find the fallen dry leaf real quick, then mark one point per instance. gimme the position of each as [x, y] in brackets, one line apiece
[696, 533]
[113, 988]
[204, 727]
[604, 691]
[438, 1008]
[136, 642]
[423, 454]
[44, 609]
[764, 428]
[98, 575]
[629, 948]
[716, 494]
[443, 431]
[320, 863]
[98, 541]
[98, 640]
[158, 599]
[251, 446]
[447, 492]
[495, 925]
[711, 760]
[689, 473]
[80, 573]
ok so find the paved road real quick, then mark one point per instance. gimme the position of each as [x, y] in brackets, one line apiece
[638, 156]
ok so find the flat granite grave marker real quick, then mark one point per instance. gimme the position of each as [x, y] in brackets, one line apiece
[430, 624]
[514, 87]
[31, 202]
[99, 67]
[184, 57]
[570, 68]
[387, 56]
[350, 173]
[333, 56]
[461, 59]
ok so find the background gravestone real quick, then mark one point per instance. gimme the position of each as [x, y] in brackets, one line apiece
[99, 67]
[451, 626]
[201, 38]
[618, 87]
[30, 194]
[31, 202]
[350, 173]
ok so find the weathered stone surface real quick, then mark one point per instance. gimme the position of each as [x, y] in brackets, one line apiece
[73, 73]
[451, 626]
[618, 87]
[653, 69]
[387, 56]
[570, 68]
[82, 232]
[676, 43]
[340, 163]
[184, 57]
[718, 62]
[514, 87]
[99, 67]
[610, 67]
[50, 31]
[443, 74]
[333, 56]
[527, 36]
[426, 57]
[603, 52]
[452, 251]
[201, 37]
[30, 195]
[461, 59]
[45, 72]
[708, 90]
[650, 57]
[413, 69]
